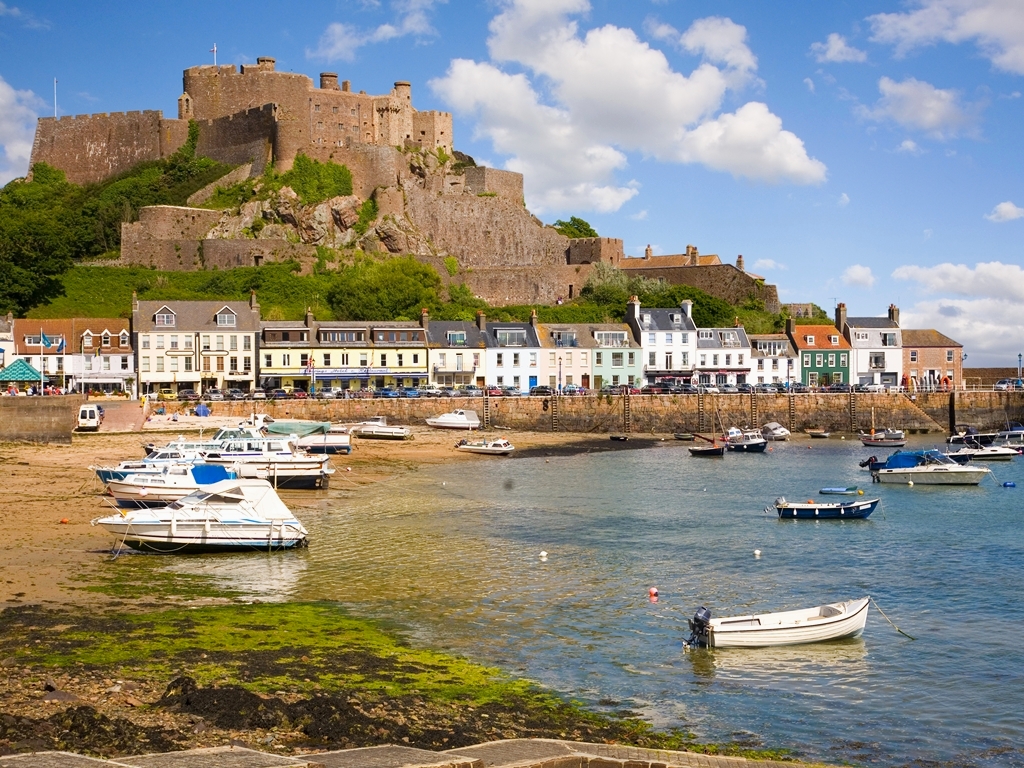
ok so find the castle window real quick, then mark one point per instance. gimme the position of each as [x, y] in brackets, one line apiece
[352, 111]
[316, 107]
[320, 125]
[334, 110]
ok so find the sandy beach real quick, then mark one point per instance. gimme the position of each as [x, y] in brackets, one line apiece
[51, 494]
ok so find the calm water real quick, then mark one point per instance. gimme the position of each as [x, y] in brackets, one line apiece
[453, 558]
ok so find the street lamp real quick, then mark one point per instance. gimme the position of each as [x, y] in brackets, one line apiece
[1019, 357]
[559, 374]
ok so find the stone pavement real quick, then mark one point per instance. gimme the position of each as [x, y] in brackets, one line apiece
[513, 753]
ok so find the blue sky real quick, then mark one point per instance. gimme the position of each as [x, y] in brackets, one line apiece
[866, 152]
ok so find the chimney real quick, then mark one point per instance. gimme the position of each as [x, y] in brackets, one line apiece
[739, 263]
[790, 326]
[329, 81]
[633, 310]
[691, 255]
[687, 307]
[533, 318]
[346, 85]
[424, 318]
[841, 317]
[894, 313]
[135, 301]
[481, 321]
[309, 318]
[736, 322]
[648, 252]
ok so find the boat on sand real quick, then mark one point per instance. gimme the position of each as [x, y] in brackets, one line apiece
[499, 447]
[457, 419]
[834, 621]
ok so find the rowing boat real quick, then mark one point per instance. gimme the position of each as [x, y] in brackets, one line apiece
[834, 621]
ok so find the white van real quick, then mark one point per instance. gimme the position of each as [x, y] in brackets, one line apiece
[89, 417]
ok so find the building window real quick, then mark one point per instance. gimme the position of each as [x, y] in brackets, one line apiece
[145, 365]
[233, 343]
[220, 364]
[363, 360]
[188, 342]
[888, 339]
[159, 342]
[652, 359]
[599, 358]
[834, 339]
[268, 361]
[159, 365]
[533, 359]
[913, 355]
[174, 342]
[831, 361]
[188, 364]
[775, 364]
[703, 360]
[686, 359]
[344, 358]
[247, 343]
[286, 360]
[383, 361]
[165, 319]
[247, 364]
[843, 360]
[327, 360]
[233, 364]
[949, 355]
[304, 359]
[617, 358]
[714, 359]
[728, 359]
[760, 364]
[819, 360]
[668, 339]
[877, 360]
[174, 363]
[861, 336]
[515, 359]
[632, 358]
[652, 338]
[124, 364]
[106, 339]
[206, 364]
[476, 360]
[220, 343]
[124, 339]
[416, 359]
[568, 359]
[499, 359]
[206, 341]
[144, 339]
[400, 361]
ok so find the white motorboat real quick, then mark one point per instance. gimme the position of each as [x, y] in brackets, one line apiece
[985, 453]
[152, 464]
[774, 431]
[313, 436]
[211, 444]
[158, 490]
[500, 447]
[834, 621]
[885, 438]
[927, 468]
[230, 515]
[457, 419]
[377, 428]
[276, 459]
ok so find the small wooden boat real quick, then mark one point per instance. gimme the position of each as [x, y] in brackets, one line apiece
[686, 437]
[377, 428]
[819, 434]
[887, 438]
[620, 438]
[712, 450]
[834, 621]
[849, 490]
[500, 447]
[835, 510]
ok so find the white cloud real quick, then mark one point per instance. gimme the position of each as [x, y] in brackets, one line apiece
[995, 26]
[768, 264]
[27, 19]
[916, 104]
[607, 93]
[836, 50]
[858, 275]
[809, 83]
[18, 111]
[978, 306]
[909, 147]
[341, 42]
[639, 216]
[844, 200]
[1005, 212]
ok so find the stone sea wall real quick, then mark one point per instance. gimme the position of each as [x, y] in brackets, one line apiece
[38, 419]
[663, 414]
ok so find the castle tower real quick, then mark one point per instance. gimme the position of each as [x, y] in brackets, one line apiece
[329, 81]
[185, 110]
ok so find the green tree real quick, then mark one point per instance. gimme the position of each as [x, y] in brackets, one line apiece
[575, 227]
[392, 289]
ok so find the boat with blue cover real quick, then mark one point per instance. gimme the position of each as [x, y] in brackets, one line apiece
[832, 510]
[930, 467]
[160, 489]
[152, 464]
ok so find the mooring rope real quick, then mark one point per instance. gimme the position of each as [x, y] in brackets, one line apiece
[890, 620]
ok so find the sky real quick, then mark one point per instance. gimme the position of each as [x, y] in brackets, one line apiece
[863, 152]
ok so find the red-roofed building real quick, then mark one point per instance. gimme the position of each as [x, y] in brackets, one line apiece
[79, 354]
[823, 352]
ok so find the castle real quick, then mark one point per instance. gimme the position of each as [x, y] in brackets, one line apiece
[255, 117]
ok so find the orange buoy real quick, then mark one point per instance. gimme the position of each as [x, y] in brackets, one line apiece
[810, 501]
[64, 521]
[653, 591]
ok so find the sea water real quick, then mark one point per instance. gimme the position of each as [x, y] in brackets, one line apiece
[452, 555]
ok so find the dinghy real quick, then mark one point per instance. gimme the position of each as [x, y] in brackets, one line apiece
[834, 621]
[833, 510]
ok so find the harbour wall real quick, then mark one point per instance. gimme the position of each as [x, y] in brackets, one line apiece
[38, 419]
[926, 413]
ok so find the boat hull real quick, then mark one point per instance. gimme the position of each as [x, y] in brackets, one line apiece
[853, 510]
[883, 442]
[752, 447]
[943, 475]
[446, 424]
[196, 536]
[790, 627]
[709, 451]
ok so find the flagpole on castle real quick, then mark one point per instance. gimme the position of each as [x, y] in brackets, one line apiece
[55, 98]
[213, 51]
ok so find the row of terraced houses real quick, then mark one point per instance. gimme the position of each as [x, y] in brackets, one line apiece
[203, 345]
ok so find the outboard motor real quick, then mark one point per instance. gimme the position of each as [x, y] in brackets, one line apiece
[869, 461]
[699, 628]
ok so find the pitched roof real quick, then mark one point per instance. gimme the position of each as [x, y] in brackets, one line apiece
[71, 329]
[192, 316]
[19, 370]
[584, 333]
[494, 326]
[438, 330]
[671, 319]
[715, 342]
[871, 322]
[927, 338]
[822, 336]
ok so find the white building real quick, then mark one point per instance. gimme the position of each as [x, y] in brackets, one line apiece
[668, 340]
[723, 356]
[877, 346]
[512, 355]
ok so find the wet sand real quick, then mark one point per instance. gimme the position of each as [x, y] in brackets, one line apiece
[51, 495]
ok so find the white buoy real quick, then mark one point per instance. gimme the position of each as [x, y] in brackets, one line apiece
[543, 555]
[910, 483]
[757, 553]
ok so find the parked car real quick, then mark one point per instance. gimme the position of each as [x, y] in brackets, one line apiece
[1005, 385]
[185, 394]
[872, 388]
[765, 389]
[300, 394]
[494, 391]
[838, 387]
[510, 391]
[328, 393]
[472, 390]
[729, 389]
[389, 392]
[431, 390]
[573, 390]
[235, 394]
[278, 394]
[259, 394]
[213, 394]
[450, 392]
[798, 388]
[408, 392]
[541, 390]
[708, 389]
[654, 389]
[744, 389]
[687, 389]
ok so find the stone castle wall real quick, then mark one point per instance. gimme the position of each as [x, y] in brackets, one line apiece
[591, 250]
[241, 138]
[508, 185]
[91, 148]
[372, 166]
[723, 281]
[527, 285]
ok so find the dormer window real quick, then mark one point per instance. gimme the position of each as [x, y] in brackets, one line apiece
[809, 340]
[226, 318]
[456, 338]
[87, 340]
[834, 339]
[164, 318]
[705, 335]
[124, 338]
[106, 339]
